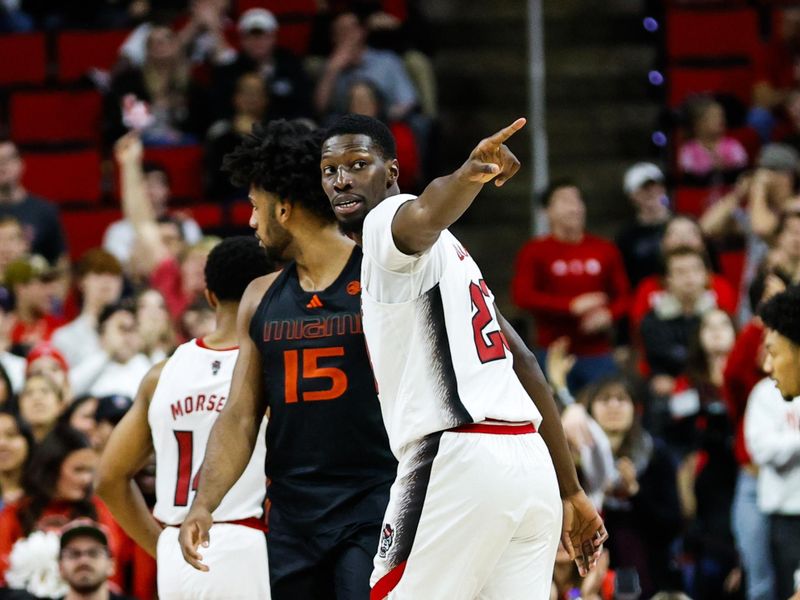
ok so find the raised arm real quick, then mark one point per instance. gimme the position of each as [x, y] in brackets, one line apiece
[583, 531]
[417, 224]
[234, 434]
[127, 451]
[136, 206]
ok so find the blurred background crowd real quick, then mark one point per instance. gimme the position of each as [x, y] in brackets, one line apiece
[648, 335]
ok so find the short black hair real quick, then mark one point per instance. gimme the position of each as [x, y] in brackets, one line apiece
[378, 132]
[782, 313]
[554, 186]
[126, 305]
[282, 158]
[233, 264]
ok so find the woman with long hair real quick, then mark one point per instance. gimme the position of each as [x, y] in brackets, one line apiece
[16, 448]
[57, 489]
[641, 509]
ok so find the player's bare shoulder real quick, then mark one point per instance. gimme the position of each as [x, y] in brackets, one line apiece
[150, 381]
[255, 293]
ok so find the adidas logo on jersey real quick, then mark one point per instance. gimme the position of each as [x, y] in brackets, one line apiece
[315, 302]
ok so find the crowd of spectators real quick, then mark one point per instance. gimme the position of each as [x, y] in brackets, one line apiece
[78, 331]
[653, 346]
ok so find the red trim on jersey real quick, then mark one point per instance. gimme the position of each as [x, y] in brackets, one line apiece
[387, 583]
[202, 344]
[495, 428]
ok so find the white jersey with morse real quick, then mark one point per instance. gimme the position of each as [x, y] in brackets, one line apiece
[439, 357]
[191, 392]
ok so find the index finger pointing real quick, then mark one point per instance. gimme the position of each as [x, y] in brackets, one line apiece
[505, 133]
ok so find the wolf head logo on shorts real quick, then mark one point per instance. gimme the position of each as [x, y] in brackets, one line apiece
[387, 537]
[215, 366]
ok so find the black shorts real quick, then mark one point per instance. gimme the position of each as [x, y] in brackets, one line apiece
[332, 565]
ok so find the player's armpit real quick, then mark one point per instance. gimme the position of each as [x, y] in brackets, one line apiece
[127, 451]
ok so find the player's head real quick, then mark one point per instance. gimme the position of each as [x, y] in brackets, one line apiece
[84, 560]
[781, 315]
[279, 163]
[359, 168]
[231, 266]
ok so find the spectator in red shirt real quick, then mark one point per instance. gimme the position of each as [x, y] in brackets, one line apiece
[31, 320]
[574, 284]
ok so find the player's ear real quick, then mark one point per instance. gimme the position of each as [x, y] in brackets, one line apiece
[283, 210]
[392, 172]
[211, 298]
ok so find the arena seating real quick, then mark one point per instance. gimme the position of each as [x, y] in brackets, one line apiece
[64, 176]
[55, 116]
[24, 58]
[79, 51]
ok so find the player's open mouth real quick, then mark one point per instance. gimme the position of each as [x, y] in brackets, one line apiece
[346, 204]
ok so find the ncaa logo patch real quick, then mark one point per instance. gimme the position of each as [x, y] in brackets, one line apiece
[387, 537]
[215, 366]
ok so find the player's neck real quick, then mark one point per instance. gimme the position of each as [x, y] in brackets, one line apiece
[321, 256]
[224, 334]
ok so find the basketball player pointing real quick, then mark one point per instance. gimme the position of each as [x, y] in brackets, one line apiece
[474, 511]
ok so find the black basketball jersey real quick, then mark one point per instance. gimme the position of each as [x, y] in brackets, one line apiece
[328, 458]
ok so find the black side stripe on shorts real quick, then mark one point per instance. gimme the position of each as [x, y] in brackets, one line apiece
[414, 484]
[434, 331]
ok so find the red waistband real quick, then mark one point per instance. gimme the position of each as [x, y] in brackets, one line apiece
[251, 522]
[495, 427]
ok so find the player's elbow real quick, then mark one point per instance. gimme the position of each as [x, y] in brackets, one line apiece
[107, 483]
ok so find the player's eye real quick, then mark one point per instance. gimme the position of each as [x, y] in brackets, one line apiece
[359, 164]
[328, 170]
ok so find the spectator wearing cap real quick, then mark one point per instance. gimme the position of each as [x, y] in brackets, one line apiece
[772, 431]
[31, 321]
[110, 410]
[85, 562]
[640, 241]
[39, 218]
[574, 284]
[352, 59]
[119, 365]
[288, 87]
[99, 276]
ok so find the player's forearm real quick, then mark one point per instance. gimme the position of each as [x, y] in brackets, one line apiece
[230, 446]
[533, 381]
[418, 225]
[130, 510]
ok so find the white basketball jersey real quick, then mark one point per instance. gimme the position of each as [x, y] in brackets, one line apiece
[438, 355]
[191, 392]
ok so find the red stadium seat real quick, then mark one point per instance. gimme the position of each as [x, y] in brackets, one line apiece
[79, 51]
[712, 33]
[691, 200]
[55, 116]
[85, 228]
[24, 58]
[685, 81]
[64, 176]
[240, 213]
[295, 37]
[207, 214]
[183, 164]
